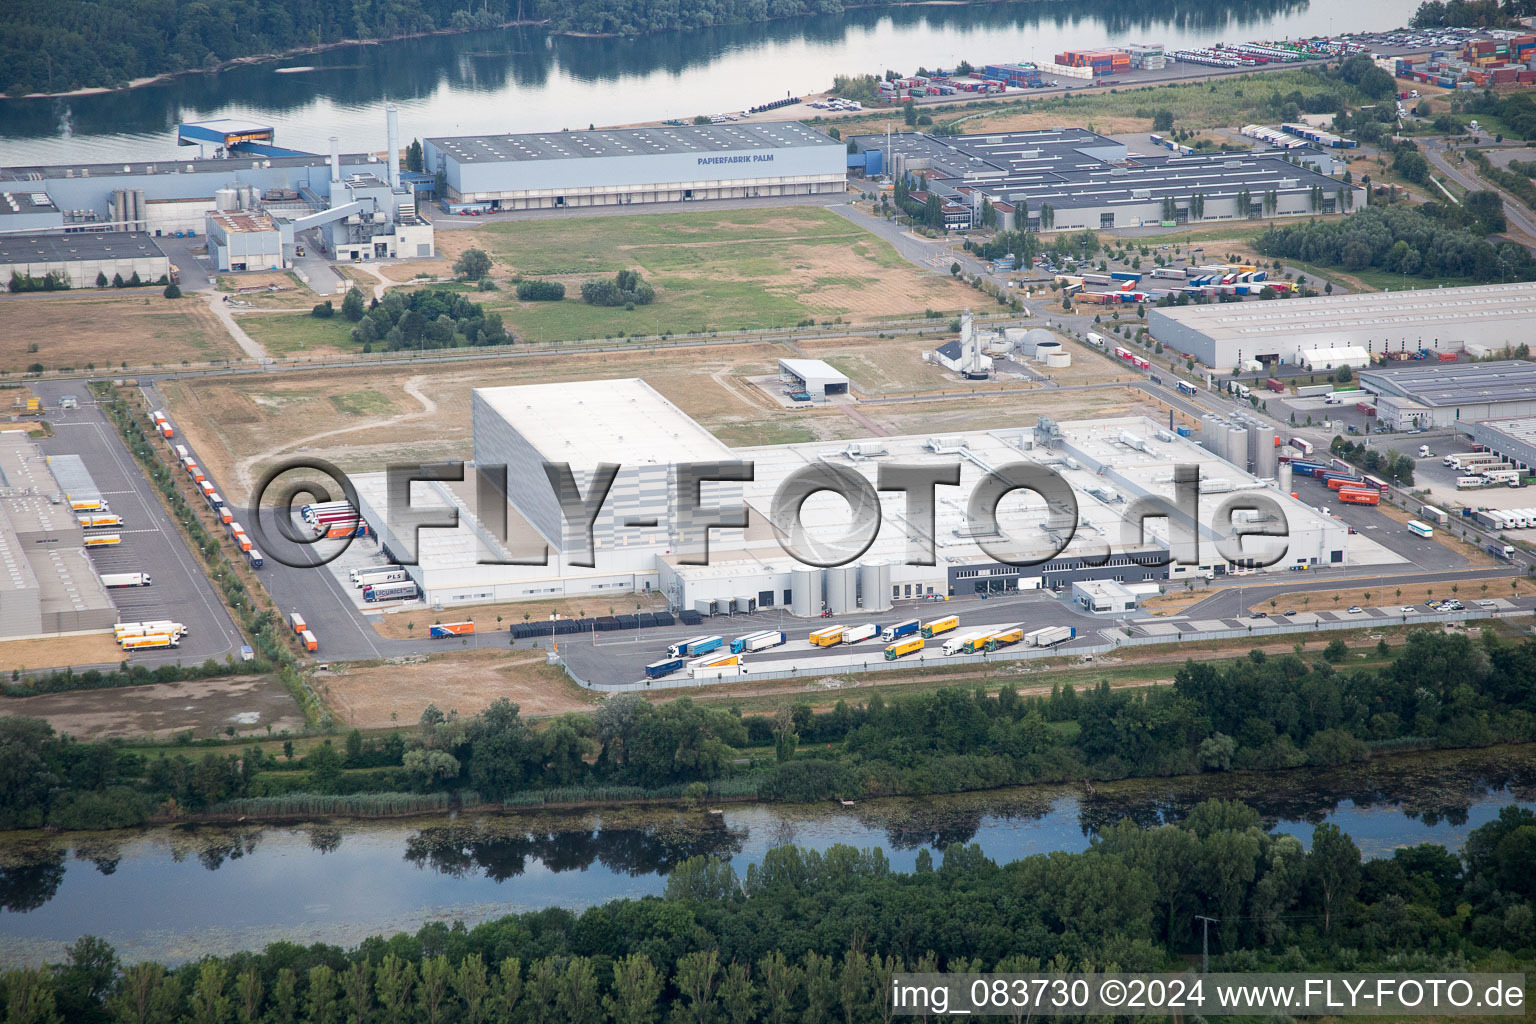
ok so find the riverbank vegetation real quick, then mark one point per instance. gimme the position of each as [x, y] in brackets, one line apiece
[1471, 13]
[1263, 712]
[817, 936]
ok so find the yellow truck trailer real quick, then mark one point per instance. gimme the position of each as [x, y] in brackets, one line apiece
[936, 626]
[1005, 637]
[902, 648]
[828, 637]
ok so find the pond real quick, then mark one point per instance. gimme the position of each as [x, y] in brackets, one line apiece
[524, 79]
[177, 893]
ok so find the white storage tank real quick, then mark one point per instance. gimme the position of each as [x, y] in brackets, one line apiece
[1058, 360]
[843, 589]
[805, 592]
[226, 199]
[875, 585]
[1285, 479]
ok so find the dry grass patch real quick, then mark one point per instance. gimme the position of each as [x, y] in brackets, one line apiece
[140, 328]
[57, 652]
[385, 695]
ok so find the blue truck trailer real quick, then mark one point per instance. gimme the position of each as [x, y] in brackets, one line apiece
[665, 667]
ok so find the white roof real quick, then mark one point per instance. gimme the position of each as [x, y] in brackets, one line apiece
[1354, 355]
[812, 369]
[590, 421]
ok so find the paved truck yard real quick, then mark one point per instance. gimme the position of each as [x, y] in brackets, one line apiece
[151, 543]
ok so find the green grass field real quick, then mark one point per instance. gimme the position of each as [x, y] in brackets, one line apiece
[292, 334]
[715, 270]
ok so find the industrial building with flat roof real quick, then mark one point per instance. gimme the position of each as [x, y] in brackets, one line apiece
[48, 585]
[1438, 395]
[78, 257]
[814, 377]
[643, 538]
[1089, 181]
[1512, 440]
[1227, 336]
[618, 166]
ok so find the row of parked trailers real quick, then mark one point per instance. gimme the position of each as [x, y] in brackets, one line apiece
[712, 657]
[1506, 518]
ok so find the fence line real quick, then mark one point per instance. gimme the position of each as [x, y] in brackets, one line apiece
[1119, 641]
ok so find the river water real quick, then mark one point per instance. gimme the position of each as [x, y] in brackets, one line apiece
[527, 80]
[177, 893]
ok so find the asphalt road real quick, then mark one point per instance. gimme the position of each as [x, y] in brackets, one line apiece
[1522, 225]
[152, 542]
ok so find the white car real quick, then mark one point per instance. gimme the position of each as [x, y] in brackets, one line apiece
[1355, 609]
[1408, 609]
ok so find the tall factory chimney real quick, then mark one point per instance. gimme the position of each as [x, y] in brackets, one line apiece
[392, 114]
[335, 159]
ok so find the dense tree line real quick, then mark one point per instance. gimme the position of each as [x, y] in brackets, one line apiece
[811, 936]
[1261, 712]
[1471, 13]
[427, 318]
[1430, 241]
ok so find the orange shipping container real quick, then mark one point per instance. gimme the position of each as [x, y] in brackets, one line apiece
[310, 643]
[298, 622]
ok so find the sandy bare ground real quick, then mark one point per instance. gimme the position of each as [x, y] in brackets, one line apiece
[138, 327]
[47, 652]
[206, 707]
[380, 696]
[362, 421]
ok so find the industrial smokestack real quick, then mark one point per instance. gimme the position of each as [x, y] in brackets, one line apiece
[335, 159]
[392, 115]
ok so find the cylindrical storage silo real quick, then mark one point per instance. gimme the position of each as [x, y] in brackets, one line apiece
[842, 589]
[875, 583]
[805, 592]
[1237, 446]
[1045, 349]
[1268, 462]
[1284, 476]
[1058, 360]
[1212, 433]
[224, 199]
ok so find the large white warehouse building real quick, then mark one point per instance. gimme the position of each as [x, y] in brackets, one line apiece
[1228, 336]
[619, 166]
[643, 538]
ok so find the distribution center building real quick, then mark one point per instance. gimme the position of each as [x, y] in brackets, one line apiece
[1425, 394]
[49, 585]
[1075, 178]
[645, 540]
[615, 167]
[1512, 440]
[1226, 336]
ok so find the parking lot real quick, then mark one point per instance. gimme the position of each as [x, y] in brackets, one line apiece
[621, 657]
[151, 542]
